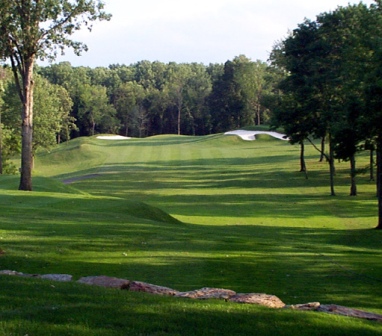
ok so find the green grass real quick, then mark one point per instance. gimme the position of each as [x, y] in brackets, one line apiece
[187, 212]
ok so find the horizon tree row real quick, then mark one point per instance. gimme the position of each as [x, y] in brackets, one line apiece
[151, 98]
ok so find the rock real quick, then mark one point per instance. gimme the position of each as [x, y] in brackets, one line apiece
[20, 274]
[57, 277]
[305, 306]
[270, 301]
[345, 311]
[138, 286]
[208, 293]
[8, 272]
[104, 281]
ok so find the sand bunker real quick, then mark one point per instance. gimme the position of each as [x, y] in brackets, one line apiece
[251, 135]
[245, 135]
[112, 137]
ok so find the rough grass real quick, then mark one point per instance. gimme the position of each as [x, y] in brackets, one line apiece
[187, 212]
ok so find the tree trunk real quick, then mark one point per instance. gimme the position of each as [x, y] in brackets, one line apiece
[179, 113]
[331, 168]
[93, 126]
[126, 126]
[353, 173]
[371, 164]
[27, 128]
[302, 159]
[258, 114]
[379, 180]
[322, 156]
[1, 146]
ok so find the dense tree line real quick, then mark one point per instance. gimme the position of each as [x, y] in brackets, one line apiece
[151, 98]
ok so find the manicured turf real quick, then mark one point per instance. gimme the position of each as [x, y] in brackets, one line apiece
[187, 212]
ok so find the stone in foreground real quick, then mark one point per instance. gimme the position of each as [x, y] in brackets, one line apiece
[139, 286]
[104, 281]
[270, 301]
[57, 277]
[208, 293]
[345, 311]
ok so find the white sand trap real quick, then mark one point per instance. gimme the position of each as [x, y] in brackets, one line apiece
[251, 135]
[112, 137]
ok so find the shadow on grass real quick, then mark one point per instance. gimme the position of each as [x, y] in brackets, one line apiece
[192, 188]
[100, 237]
[66, 309]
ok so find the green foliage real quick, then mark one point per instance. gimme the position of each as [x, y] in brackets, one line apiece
[328, 91]
[128, 99]
[96, 111]
[156, 98]
[52, 108]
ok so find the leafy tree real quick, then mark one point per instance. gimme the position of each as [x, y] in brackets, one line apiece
[226, 102]
[251, 77]
[52, 106]
[178, 76]
[34, 29]
[198, 89]
[302, 105]
[3, 78]
[128, 98]
[95, 110]
[372, 116]
[65, 107]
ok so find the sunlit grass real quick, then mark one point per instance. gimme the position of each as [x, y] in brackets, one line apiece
[187, 212]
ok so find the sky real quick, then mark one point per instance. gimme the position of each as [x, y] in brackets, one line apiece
[184, 31]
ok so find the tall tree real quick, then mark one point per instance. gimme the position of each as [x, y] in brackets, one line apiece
[178, 77]
[52, 106]
[127, 99]
[3, 77]
[226, 101]
[32, 29]
[251, 76]
[95, 110]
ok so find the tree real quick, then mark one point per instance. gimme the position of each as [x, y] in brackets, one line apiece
[372, 115]
[303, 105]
[95, 110]
[127, 98]
[52, 106]
[197, 117]
[32, 29]
[178, 76]
[3, 78]
[226, 102]
[251, 76]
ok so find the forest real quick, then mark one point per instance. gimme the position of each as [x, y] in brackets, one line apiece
[150, 98]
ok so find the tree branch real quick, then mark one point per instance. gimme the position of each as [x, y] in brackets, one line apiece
[319, 150]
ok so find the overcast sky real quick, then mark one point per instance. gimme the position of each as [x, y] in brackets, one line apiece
[184, 31]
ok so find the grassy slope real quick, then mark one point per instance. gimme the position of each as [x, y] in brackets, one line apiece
[250, 222]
